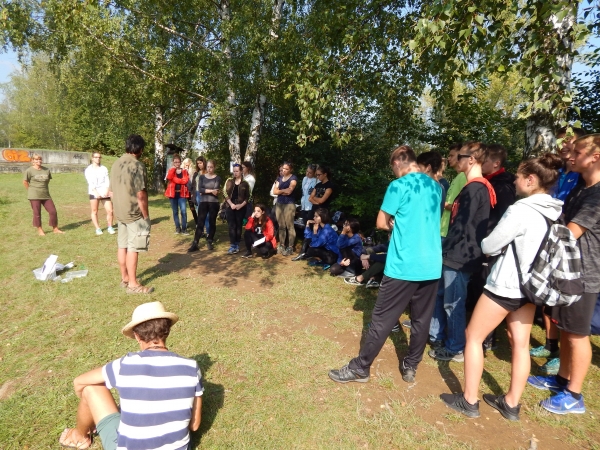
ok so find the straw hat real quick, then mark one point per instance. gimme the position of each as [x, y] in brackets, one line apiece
[147, 311]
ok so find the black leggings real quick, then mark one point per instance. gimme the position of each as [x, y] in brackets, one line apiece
[263, 249]
[212, 209]
[234, 221]
[355, 265]
[328, 257]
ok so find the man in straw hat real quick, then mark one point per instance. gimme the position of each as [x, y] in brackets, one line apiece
[160, 392]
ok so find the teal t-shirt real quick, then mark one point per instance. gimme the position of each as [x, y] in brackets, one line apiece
[415, 252]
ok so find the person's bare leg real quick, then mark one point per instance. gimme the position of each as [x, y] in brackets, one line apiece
[94, 214]
[486, 317]
[109, 212]
[551, 328]
[580, 357]
[122, 257]
[565, 356]
[96, 403]
[519, 323]
[132, 261]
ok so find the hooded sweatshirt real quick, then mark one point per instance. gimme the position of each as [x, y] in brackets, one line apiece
[525, 223]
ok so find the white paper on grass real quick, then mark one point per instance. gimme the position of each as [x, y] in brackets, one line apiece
[260, 241]
[49, 266]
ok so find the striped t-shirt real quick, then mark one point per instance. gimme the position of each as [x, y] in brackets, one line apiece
[157, 391]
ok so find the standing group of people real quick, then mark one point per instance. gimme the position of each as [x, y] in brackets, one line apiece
[443, 238]
[486, 235]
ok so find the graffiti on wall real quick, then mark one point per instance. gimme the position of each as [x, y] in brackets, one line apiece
[12, 155]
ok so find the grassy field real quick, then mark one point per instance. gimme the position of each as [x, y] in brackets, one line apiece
[265, 333]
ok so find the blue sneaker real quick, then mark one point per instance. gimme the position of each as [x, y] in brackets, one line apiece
[231, 250]
[326, 266]
[315, 262]
[545, 383]
[563, 403]
[551, 367]
[236, 249]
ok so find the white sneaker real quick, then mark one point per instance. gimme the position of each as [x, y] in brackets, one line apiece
[98, 231]
[111, 230]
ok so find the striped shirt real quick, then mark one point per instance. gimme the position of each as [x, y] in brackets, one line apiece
[157, 391]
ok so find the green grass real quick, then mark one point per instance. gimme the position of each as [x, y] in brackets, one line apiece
[265, 335]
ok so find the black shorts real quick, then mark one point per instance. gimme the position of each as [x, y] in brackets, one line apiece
[93, 197]
[509, 304]
[577, 318]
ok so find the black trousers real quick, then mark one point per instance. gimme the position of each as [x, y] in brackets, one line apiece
[211, 209]
[324, 255]
[394, 296]
[263, 249]
[234, 222]
[355, 265]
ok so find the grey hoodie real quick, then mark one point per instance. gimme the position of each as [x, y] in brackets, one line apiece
[524, 223]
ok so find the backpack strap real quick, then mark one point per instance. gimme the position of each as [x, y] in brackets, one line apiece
[514, 249]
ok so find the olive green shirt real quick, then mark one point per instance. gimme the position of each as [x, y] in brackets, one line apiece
[38, 183]
[128, 176]
[455, 187]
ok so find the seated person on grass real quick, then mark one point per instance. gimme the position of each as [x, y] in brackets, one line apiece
[350, 248]
[160, 392]
[322, 240]
[373, 262]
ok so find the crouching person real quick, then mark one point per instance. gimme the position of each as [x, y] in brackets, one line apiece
[160, 392]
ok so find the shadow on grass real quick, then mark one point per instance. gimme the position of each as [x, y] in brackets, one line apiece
[75, 225]
[160, 219]
[213, 399]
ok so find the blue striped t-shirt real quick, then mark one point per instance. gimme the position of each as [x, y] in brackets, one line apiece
[157, 391]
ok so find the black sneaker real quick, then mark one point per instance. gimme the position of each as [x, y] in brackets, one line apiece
[345, 375]
[498, 402]
[247, 255]
[300, 257]
[396, 329]
[193, 247]
[406, 323]
[458, 403]
[209, 245]
[408, 373]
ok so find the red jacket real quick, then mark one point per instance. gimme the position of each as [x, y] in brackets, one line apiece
[268, 230]
[173, 180]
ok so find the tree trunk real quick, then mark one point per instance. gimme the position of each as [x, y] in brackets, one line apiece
[539, 134]
[159, 149]
[191, 133]
[234, 135]
[258, 114]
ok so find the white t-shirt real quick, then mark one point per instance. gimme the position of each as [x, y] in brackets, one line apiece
[97, 178]
[251, 182]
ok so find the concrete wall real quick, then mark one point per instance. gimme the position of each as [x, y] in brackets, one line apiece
[16, 160]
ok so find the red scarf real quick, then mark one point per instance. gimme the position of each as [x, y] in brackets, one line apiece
[490, 189]
[492, 175]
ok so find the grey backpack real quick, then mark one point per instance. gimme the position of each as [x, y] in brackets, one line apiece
[556, 275]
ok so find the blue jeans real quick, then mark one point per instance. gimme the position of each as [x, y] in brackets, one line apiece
[179, 204]
[198, 195]
[450, 311]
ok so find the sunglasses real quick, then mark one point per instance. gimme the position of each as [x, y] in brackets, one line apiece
[459, 156]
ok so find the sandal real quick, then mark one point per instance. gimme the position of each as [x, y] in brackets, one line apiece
[80, 445]
[140, 290]
[124, 284]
